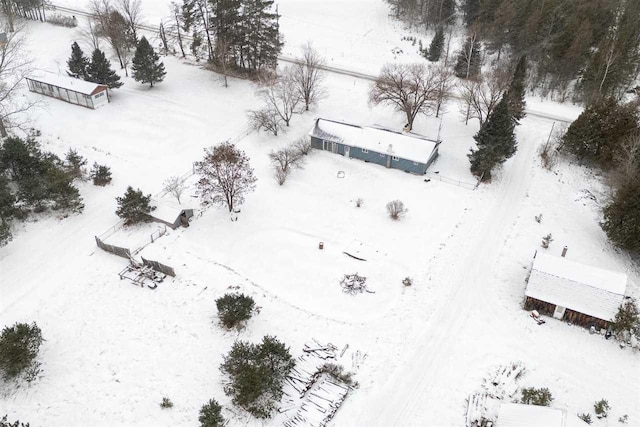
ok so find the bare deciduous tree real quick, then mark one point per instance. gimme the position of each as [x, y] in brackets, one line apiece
[281, 95]
[176, 27]
[303, 145]
[266, 119]
[284, 160]
[481, 96]
[15, 65]
[409, 88]
[446, 83]
[174, 186]
[396, 209]
[90, 34]
[225, 176]
[308, 75]
[130, 10]
[113, 26]
[628, 161]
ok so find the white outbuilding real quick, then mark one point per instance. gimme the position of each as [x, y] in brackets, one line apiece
[518, 415]
[75, 91]
[575, 292]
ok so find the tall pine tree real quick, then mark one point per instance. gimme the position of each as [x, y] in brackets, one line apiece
[622, 217]
[99, 71]
[77, 63]
[468, 61]
[495, 142]
[147, 67]
[517, 89]
[435, 49]
[260, 36]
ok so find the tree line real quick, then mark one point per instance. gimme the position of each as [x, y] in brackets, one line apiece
[579, 50]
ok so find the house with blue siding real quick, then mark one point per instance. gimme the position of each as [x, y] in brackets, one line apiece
[409, 152]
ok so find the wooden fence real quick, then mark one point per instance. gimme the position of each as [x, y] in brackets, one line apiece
[116, 250]
[169, 271]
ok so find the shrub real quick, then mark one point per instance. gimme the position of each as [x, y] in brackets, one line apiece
[546, 241]
[302, 145]
[602, 408]
[623, 419]
[257, 373]
[536, 396]
[359, 202]
[134, 206]
[407, 281]
[211, 415]
[19, 346]
[622, 216]
[284, 161]
[62, 20]
[586, 418]
[396, 209]
[353, 284]
[74, 163]
[100, 174]
[166, 403]
[5, 423]
[337, 372]
[234, 309]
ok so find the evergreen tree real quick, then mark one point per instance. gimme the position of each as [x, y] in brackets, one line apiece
[100, 174]
[234, 309]
[147, 67]
[471, 9]
[99, 71]
[134, 207]
[495, 142]
[19, 346]
[78, 63]
[599, 130]
[517, 89]
[435, 49]
[7, 210]
[622, 217]
[211, 415]
[468, 61]
[259, 35]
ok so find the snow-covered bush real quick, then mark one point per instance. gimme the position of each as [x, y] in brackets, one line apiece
[338, 372]
[359, 202]
[234, 309]
[407, 281]
[627, 317]
[602, 408]
[5, 423]
[19, 346]
[100, 174]
[62, 20]
[396, 209]
[284, 161]
[174, 186]
[166, 403]
[586, 418]
[623, 419]
[211, 415]
[546, 241]
[536, 396]
[74, 163]
[303, 145]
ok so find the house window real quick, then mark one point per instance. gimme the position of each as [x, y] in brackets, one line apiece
[381, 155]
[396, 158]
[364, 150]
[99, 95]
[50, 88]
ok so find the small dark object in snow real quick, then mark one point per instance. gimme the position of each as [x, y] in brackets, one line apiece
[536, 316]
[353, 284]
[427, 180]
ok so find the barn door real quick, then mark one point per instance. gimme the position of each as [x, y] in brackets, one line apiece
[558, 313]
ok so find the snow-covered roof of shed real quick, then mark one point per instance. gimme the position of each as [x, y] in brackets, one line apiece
[409, 146]
[589, 290]
[518, 415]
[66, 82]
[167, 211]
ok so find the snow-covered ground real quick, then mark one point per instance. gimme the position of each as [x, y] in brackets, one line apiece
[112, 349]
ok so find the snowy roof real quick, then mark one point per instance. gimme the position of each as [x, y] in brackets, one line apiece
[167, 211]
[518, 415]
[409, 146]
[582, 288]
[66, 82]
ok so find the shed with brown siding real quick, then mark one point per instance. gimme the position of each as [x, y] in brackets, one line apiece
[574, 292]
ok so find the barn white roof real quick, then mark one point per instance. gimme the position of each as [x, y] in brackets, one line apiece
[518, 415]
[589, 290]
[409, 146]
[66, 82]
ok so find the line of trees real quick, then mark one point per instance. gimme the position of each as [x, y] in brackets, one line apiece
[242, 35]
[28, 9]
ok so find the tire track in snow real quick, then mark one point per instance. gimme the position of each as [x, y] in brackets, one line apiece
[399, 399]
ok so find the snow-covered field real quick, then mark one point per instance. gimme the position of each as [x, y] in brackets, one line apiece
[112, 349]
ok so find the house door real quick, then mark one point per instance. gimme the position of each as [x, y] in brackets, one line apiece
[558, 313]
[328, 146]
[346, 150]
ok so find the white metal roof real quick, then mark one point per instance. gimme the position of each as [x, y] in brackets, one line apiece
[582, 288]
[518, 415]
[407, 146]
[66, 82]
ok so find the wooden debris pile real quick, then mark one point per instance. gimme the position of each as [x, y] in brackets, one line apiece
[312, 395]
